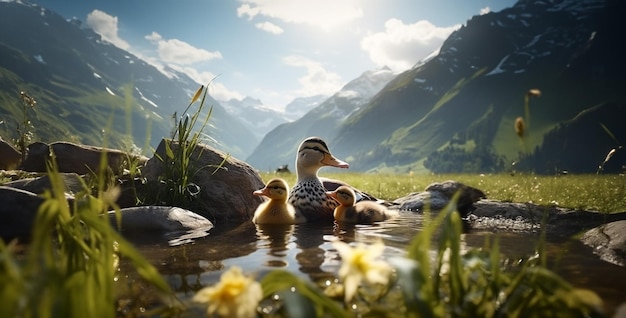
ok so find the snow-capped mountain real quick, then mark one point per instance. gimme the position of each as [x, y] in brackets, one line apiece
[454, 110]
[302, 105]
[255, 116]
[356, 93]
[261, 119]
[278, 146]
[88, 89]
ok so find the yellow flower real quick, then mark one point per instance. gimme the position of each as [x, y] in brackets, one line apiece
[361, 263]
[235, 295]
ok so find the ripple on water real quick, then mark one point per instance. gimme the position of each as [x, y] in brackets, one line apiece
[306, 250]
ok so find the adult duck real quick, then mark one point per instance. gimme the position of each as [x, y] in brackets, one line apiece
[308, 195]
[276, 210]
[362, 212]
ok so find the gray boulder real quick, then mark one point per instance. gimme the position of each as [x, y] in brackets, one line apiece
[38, 185]
[225, 191]
[10, 157]
[437, 195]
[18, 209]
[80, 159]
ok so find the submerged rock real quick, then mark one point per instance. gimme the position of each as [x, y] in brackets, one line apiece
[559, 221]
[608, 241]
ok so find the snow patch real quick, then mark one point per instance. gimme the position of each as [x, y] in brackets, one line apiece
[498, 69]
[348, 94]
[39, 59]
[146, 99]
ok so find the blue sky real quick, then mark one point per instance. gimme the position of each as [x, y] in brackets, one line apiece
[275, 50]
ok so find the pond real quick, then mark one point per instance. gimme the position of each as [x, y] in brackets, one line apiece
[307, 251]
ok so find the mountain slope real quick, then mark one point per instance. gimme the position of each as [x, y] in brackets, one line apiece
[469, 95]
[279, 146]
[87, 89]
[593, 132]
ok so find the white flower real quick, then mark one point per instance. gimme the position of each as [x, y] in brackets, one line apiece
[361, 263]
[235, 295]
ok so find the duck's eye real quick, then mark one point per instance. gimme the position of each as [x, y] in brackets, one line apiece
[279, 189]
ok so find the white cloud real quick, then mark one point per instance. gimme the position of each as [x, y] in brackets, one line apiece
[218, 91]
[106, 26]
[269, 27]
[401, 45]
[317, 79]
[321, 13]
[179, 52]
[485, 10]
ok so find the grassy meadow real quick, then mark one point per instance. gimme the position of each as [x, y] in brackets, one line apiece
[592, 192]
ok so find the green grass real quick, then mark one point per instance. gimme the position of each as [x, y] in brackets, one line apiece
[604, 193]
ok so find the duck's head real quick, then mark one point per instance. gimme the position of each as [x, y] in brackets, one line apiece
[275, 189]
[313, 154]
[344, 195]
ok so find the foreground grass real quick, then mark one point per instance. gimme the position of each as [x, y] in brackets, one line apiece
[591, 192]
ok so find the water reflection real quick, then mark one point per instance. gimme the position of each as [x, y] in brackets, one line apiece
[306, 250]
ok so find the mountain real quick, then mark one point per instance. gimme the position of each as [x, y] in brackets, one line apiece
[261, 119]
[254, 115]
[455, 112]
[88, 90]
[278, 147]
[302, 105]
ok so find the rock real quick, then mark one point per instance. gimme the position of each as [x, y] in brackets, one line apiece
[421, 201]
[72, 182]
[18, 209]
[438, 194]
[143, 219]
[80, 159]
[559, 221]
[225, 192]
[10, 157]
[608, 241]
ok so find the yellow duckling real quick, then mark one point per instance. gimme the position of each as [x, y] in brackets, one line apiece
[363, 212]
[276, 210]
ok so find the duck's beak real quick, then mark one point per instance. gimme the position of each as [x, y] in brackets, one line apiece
[261, 192]
[330, 160]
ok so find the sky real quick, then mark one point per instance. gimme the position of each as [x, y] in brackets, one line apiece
[275, 50]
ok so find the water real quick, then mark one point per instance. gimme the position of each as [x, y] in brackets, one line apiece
[307, 251]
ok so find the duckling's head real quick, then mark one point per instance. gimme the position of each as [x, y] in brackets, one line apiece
[344, 195]
[275, 189]
[313, 154]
